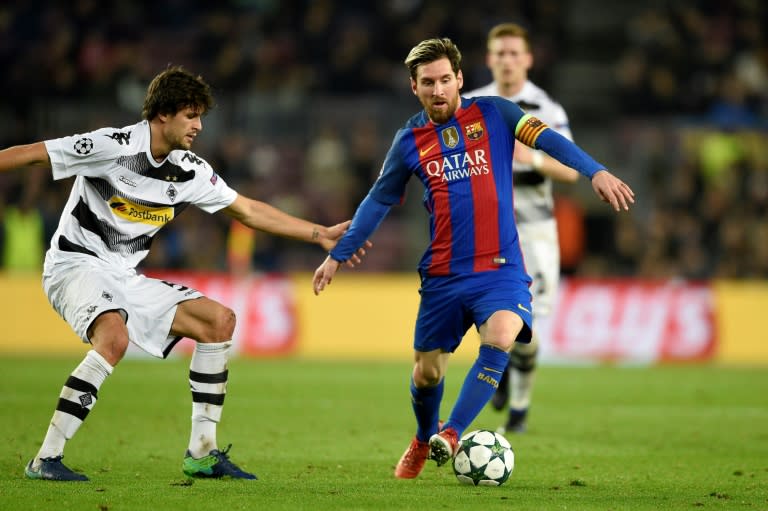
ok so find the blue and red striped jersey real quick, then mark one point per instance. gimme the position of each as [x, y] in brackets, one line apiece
[465, 167]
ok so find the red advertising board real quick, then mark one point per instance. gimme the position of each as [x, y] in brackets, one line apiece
[265, 307]
[629, 321]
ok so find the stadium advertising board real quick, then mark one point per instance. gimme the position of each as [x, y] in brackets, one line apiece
[630, 321]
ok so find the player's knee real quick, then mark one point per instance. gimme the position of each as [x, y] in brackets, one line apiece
[112, 346]
[109, 336]
[523, 356]
[222, 325]
[503, 344]
[426, 375]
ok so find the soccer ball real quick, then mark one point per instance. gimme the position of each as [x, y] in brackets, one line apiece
[484, 458]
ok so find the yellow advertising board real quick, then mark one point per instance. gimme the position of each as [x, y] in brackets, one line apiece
[742, 310]
[371, 316]
[29, 323]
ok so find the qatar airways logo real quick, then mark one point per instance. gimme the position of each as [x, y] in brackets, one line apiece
[458, 166]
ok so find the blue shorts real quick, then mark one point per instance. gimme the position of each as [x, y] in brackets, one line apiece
[450, 305]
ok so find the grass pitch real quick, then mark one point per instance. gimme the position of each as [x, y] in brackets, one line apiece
[326, 436]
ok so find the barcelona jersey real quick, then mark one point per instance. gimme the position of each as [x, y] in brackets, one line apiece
[465, 166]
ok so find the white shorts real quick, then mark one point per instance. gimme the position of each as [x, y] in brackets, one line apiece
[541, 253]
[82, 287]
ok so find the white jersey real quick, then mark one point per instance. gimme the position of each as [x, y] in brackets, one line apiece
[122, 197]
[532, 190]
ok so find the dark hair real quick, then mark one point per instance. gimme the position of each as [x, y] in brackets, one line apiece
[509, 30]
[431, 50]
[176, 89]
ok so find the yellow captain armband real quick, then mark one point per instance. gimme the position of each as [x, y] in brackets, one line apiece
[528, 129]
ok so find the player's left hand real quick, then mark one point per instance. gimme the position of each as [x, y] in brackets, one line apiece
[324, 274]
[613, 190]
[333, 235]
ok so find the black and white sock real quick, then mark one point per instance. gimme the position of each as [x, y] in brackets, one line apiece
[208, 382]
[77, 399]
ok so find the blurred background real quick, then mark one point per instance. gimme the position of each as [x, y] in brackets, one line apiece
[670, 95]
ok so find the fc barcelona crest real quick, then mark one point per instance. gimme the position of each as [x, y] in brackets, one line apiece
[450, 137]
[474, 131]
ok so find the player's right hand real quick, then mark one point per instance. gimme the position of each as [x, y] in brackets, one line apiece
[324, 274]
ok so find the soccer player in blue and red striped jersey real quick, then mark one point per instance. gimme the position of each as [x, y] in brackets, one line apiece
[472, 271]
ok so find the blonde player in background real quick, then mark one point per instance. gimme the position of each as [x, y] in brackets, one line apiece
[509, 58]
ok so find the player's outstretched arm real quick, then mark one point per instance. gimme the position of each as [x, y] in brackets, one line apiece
[23, 155]
[264, 217]
[607, 186]
[612, 190]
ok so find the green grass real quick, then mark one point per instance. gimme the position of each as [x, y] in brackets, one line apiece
[323, 435]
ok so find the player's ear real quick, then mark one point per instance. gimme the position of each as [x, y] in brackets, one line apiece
[413, 87]
[460, 79]
[528, 61]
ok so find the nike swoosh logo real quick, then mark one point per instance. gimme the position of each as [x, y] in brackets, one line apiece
[523, 308]
[423, 152]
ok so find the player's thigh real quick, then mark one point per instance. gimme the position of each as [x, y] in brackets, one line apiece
[81, 291]
[542, 262]
[501, 307]
[442, 320]
[204, 320]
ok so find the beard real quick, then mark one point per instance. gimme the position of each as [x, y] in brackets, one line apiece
[181, 143]
[444, 112]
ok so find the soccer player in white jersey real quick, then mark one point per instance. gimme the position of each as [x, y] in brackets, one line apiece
[129, 183]
[509, 58]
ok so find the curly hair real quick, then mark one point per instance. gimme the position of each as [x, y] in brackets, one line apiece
[174, 90]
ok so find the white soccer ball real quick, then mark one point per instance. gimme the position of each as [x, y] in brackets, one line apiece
[484, 458]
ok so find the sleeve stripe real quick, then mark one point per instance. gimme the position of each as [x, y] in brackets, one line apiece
[528, 129]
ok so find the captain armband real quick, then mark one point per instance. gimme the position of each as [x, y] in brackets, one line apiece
[528, 129]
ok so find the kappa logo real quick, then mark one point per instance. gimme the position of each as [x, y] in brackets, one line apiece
[426, 150]
[120, 137]
[191, 158]
[106, 295]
